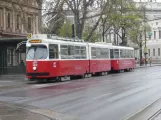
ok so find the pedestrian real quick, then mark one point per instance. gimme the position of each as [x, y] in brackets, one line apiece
[150, 60]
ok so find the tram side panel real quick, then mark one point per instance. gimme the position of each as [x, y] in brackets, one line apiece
[100, 65]
[126, 63]
[121, 64]
[70, 67]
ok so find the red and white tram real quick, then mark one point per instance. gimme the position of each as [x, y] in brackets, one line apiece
[122, 58]
[54, 57]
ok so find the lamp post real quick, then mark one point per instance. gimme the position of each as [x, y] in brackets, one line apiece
[145, 47]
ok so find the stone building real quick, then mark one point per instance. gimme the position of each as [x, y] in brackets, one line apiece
[17, 18]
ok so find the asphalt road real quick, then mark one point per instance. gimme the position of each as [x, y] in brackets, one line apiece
[111, 97]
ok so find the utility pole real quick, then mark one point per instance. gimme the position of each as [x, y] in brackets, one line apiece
[145, 47]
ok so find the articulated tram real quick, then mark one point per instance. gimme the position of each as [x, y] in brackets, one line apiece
[51, 57]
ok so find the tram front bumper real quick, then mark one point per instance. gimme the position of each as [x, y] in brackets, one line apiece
[37, 75]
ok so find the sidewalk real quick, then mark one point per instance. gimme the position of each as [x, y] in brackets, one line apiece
[148, 65]
[12, 112]
[13, 77]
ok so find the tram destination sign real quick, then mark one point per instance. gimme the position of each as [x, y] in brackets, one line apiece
[35, 41]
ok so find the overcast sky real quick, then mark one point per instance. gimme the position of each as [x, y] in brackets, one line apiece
[148, 0]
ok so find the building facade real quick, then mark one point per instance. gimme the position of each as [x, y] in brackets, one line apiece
[17, 18]
[154, 42]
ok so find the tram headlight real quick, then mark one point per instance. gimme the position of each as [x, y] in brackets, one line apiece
[34, 68]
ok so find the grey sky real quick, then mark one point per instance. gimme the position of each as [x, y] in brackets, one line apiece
[147, 0]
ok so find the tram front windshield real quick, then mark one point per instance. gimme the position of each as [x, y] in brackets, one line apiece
[37, 52]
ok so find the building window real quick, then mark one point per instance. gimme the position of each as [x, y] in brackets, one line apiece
[158, 51]
[159, 34]
[154, 34]
[18, 22]
[8, 20]
[29, 23]
[153, 52]
[149, 52]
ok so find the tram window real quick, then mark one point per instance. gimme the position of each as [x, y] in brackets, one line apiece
[121, 54]
[111, 54]
[83, 52]
[37, 52]
[53, 51]
[104, 53]
[127, 53]
[107, 53]
[131, 54]
[116, 53]
[64, 51]
[71, 51]
[98, 53]
[93, 52]
[77, 52]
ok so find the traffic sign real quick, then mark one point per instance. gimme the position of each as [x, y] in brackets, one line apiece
[29, 35]
[145, 50]
[150, 33]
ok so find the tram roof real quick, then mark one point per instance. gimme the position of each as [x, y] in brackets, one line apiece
[50, 41]
[122, 47]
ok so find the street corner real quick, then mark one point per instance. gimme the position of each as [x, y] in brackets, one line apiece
[52, 114]
[13, 112]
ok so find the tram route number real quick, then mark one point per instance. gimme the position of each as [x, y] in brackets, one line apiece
[54, 64]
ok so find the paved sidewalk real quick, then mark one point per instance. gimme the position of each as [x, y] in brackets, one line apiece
[148, 65]
[21, 77]
[12, 112]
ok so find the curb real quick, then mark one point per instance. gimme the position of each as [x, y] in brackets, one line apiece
[146, 66]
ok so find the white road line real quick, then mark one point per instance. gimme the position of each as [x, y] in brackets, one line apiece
[101, 96]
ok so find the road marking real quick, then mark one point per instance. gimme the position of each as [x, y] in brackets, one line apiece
[101, 96]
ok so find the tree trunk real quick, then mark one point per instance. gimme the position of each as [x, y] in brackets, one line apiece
[124, 41]
[103, 32]
[77, 25]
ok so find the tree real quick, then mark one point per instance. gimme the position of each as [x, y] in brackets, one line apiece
[121, 18]
[136, 35]
[65, 30]
[81, 10]
[53, 16]
[93, 38]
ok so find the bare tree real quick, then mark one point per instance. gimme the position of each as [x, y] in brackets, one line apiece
[82, 10]
[54, 15]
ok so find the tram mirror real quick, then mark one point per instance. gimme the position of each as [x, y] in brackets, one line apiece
[28, 45]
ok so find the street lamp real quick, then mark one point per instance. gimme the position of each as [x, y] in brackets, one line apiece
[145, 47]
